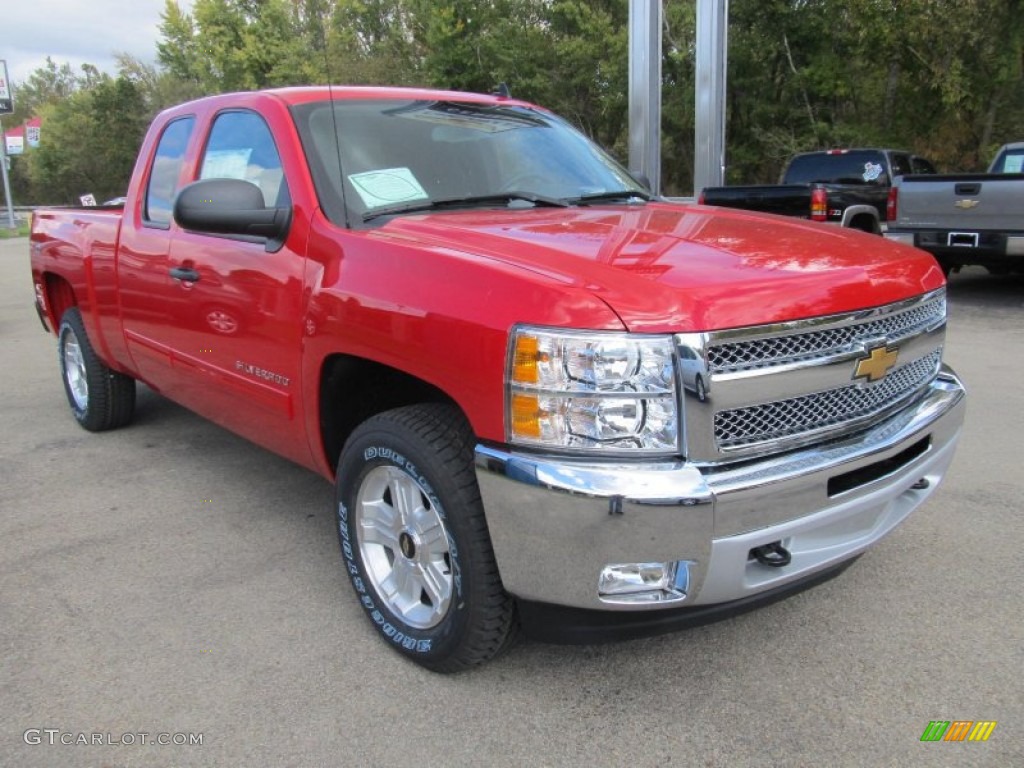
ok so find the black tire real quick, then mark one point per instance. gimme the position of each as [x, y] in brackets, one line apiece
[100, 398]
[701, 390]
[422, 454]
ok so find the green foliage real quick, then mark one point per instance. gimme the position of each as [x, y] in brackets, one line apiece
[939, 77]
[90, 142]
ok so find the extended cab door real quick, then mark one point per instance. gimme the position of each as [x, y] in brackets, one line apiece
[142, 255]
[233, 308]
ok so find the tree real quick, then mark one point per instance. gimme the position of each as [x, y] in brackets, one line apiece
[235, 45]
[90, 142]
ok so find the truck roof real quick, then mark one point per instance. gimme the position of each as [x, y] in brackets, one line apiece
[847, 150]
[305, 94]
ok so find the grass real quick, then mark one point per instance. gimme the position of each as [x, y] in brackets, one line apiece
[20, 231]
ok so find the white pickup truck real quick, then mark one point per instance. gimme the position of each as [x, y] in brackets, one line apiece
[964, 219]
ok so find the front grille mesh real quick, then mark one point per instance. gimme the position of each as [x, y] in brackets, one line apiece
[822, 410]
[778, 350]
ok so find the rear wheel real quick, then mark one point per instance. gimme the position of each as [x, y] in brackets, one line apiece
[415, 542]
[100, 398]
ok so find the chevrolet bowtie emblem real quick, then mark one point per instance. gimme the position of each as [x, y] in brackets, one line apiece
[876, 364]
[966, 203]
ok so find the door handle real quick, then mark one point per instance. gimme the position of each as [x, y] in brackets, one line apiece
[187, 274]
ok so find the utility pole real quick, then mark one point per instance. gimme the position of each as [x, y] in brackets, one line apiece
[6, 107]
[11, 223]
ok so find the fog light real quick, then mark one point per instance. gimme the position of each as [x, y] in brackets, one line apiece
[644, 582]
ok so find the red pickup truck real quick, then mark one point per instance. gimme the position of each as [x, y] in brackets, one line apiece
[548, 400]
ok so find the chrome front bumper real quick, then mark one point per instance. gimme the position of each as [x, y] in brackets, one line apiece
[555, 523]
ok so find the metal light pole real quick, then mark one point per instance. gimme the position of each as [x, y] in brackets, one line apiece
[6, 107]
[7, 182]
[645, 90]
[709, 122]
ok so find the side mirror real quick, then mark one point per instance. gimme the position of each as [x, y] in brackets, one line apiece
[231, 207]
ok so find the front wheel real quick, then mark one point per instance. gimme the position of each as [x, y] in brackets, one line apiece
[100, 398]
[415, 542]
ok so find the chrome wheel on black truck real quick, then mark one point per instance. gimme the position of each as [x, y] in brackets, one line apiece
[414, 539]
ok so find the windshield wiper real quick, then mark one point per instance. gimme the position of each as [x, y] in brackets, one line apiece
[620, 194]
[469, 201]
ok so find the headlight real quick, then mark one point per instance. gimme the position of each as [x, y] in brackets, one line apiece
[611, 392]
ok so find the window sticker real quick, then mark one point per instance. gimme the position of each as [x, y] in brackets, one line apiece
[872, 171]
[225, 164]
[387, 187]
[1013, 163]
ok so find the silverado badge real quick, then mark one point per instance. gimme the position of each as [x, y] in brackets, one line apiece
[966, 204]
[877, 363]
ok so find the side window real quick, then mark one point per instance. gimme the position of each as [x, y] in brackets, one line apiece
[163, 180]
[900, 165]
[920, 165]
[241, 147]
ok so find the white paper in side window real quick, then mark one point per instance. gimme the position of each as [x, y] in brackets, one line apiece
[225, 164]
[1013, 163]
[387, 186]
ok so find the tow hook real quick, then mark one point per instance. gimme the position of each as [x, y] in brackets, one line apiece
[774, 555]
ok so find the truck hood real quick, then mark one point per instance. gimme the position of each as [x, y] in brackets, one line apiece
[670, 268]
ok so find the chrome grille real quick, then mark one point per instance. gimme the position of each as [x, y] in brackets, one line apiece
[782, 349]
[823, 410]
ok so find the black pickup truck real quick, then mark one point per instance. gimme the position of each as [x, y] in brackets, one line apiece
[842, 186]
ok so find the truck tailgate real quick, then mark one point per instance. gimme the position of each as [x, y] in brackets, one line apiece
[973, 202]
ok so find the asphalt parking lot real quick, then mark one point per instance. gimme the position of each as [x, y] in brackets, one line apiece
[170, 578]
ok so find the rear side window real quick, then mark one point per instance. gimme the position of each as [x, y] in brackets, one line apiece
[242, 147]
[853, 167]
[1010, 161]
[163, 181]
[920, 165]
[901, 165]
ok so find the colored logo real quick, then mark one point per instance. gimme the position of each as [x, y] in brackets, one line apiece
[876, 364]
[958, 730]
[966, 204]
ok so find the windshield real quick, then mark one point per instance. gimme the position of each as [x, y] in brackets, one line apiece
[385, 155]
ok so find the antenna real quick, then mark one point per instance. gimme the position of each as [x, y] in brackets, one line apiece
[502, 91]
[334, 115]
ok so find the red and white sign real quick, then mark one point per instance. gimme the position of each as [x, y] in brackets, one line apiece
[14, 141]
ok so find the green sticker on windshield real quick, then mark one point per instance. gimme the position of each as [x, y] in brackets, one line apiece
[387, 187]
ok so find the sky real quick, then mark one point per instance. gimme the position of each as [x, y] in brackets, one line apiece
[77, 32]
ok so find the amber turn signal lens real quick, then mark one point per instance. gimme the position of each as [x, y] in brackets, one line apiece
[525, 358]
[526, 413]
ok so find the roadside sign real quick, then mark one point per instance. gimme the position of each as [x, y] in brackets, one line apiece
[6, 99]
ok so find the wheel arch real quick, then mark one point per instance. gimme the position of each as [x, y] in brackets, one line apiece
[352, 389]
[60, 297]
[863, 218]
